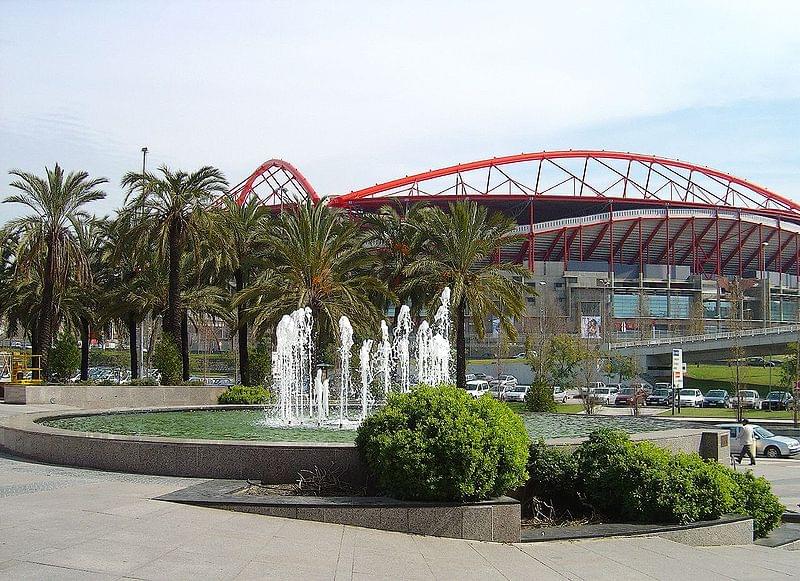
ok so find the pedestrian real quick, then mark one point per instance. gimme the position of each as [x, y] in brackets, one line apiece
[748, 443]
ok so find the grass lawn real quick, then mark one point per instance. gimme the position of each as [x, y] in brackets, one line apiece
[713, 376]
[726, 413]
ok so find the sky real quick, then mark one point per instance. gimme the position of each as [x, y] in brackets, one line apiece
[354, 93]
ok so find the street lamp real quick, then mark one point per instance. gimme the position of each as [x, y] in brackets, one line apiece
[764, 282]
[540, 355]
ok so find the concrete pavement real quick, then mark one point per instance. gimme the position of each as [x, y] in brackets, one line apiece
[65, 523]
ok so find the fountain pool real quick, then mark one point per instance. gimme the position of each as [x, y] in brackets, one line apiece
[249, 424]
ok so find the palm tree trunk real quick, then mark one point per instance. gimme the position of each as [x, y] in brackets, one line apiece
[461, 351]
[134, 345]
[184, 344]
[46, 311]
[84, 348]
[244, 356]
[172, 320]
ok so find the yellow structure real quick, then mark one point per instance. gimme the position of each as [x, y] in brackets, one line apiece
[20, 367]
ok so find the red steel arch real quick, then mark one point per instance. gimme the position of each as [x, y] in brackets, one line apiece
[599, 175]
[275, 182]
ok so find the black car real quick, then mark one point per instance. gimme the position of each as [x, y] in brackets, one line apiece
[660, 397]
[777, 400]
[716, 398]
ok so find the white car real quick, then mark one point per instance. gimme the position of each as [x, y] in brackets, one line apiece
[508, 380]
[749, 397]
[604, 395]
[767, 443]
[559, 394]
[692, 398]
[517, 393]
[477, 387]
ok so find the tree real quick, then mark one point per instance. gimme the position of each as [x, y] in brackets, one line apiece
[240, 229]
[588, 365]
[169, 213]
[623, 366]
[64, 357]
[564, 354]
[736, 296]
[789, 367]
[460, 250]
[315, 257]
[57, 202]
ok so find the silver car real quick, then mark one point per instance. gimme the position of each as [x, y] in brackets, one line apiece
[517, 393]
[767, 443]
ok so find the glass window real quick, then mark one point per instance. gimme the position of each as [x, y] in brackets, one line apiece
[710, 309]
[789, 310]
[775, 310]
[658, 306]
[626, 306]
[679, 307]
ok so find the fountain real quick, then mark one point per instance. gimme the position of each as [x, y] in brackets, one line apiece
[303, 399]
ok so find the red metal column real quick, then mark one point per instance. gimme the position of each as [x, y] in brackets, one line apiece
[739, 242]
[531, 241]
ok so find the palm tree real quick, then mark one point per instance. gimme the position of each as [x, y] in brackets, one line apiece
[57, 202]
[396, 239]
[317, 258]
[238, 232]
[168, 211]
[460, 250]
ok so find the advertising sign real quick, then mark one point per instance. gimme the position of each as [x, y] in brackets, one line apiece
[677, 368]
[590, 327]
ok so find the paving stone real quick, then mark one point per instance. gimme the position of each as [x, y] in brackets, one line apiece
[37, 571]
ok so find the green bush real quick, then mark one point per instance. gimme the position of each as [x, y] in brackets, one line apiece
[65, 358]
[553, 477]
[167, 360]
[245, 394]
[144, 381]
[638, 481]
[755, 498]
[440, 444]
[540, 397]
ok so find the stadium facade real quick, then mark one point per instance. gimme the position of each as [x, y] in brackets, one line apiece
[645, 245]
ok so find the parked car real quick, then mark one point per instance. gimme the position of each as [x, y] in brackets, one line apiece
[559, 394]
[497, 389]
[517, 393]
[483, 376]
[631, 395]
[777, 400]
[767, 443]
[717, 398]
[520, 356]
[589, 389]
[692, 398]
[477, 387]
[660, 396]
[470, 377]
[604, 395]
[509, 380]
[748, 397]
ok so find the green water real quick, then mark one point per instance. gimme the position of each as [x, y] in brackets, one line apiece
[250, 425]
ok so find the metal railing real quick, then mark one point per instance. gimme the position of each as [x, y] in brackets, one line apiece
[707, 337]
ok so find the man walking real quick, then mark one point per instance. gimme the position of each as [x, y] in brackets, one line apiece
[748, 443]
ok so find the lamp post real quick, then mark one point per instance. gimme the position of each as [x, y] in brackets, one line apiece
[764, 282]
[540, 372]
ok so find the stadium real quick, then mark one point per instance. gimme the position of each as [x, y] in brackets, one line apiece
[644, 245]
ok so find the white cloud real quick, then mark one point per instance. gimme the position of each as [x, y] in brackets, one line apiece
[356, 92]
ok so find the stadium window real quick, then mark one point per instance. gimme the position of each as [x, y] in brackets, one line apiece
[658, 306]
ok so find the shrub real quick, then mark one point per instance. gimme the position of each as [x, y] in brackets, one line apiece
[553, 477]
[144, 381]
[755, 498]
[540, 397]
[638, 481]
[244, 394]
[65, 358]
[440, 444]
[167, 361]
[261, 362]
